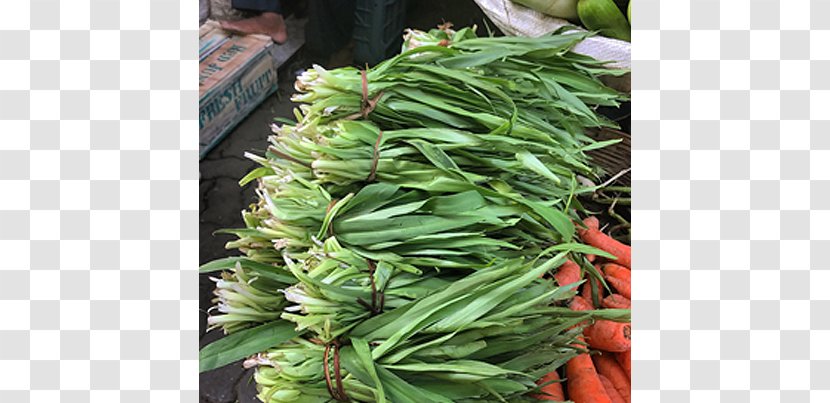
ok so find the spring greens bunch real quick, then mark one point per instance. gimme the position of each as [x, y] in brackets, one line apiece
[242, 299]
[485, 337]
[407, 218]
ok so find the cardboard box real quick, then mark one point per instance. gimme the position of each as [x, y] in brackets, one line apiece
[236, 73]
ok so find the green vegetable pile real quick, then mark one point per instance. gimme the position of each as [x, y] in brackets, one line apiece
[405, 222]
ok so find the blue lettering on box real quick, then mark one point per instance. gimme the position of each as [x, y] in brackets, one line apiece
[240, 96]
[230, 53]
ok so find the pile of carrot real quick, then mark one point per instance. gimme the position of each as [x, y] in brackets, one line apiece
[604, 375]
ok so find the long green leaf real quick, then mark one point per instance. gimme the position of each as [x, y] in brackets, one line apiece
[265, 270]
[245, 343]
[255, 174]
[555, 218]
[532, 163]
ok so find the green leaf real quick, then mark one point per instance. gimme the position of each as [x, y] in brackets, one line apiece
[370, 198]
[332, 213]
[255, 174]
[601, 144]
[466, 367]
[397, 228]
[486, 299]
[265, 270]
[396, 389]
[385, 213]
[578, 248]
[435, 155]
[557, 219]
[453, 204]
[475, 59]
[532, 163]
[402, 354]
[287, 121]
[245, 343]
[364, 354]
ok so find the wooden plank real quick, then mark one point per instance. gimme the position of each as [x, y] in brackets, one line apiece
[615, 158]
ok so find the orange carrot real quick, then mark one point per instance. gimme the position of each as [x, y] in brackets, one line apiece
[624, 359]
[608, 367]
[551, 391]
[619, 277]
[585, 293]
[568, 273]
[609, 336]
[616, 301]
[604, 335]
[612, 393]
[579, 303]
[594, 237]
[591, 223]
[584, 385]
[591, 257]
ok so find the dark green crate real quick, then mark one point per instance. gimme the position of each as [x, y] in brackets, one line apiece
[378, 30]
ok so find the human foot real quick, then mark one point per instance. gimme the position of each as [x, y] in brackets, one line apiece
[271, 24]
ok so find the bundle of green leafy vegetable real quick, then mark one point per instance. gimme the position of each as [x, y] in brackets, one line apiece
[408, 214]
[485, 337]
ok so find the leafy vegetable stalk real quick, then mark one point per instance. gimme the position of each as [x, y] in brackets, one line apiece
[242, 303]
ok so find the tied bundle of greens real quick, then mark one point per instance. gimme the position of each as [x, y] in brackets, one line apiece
[485, 337]
[404, 222]
[243, 299]
[490, 104]
[340, 288]
[533, 87]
